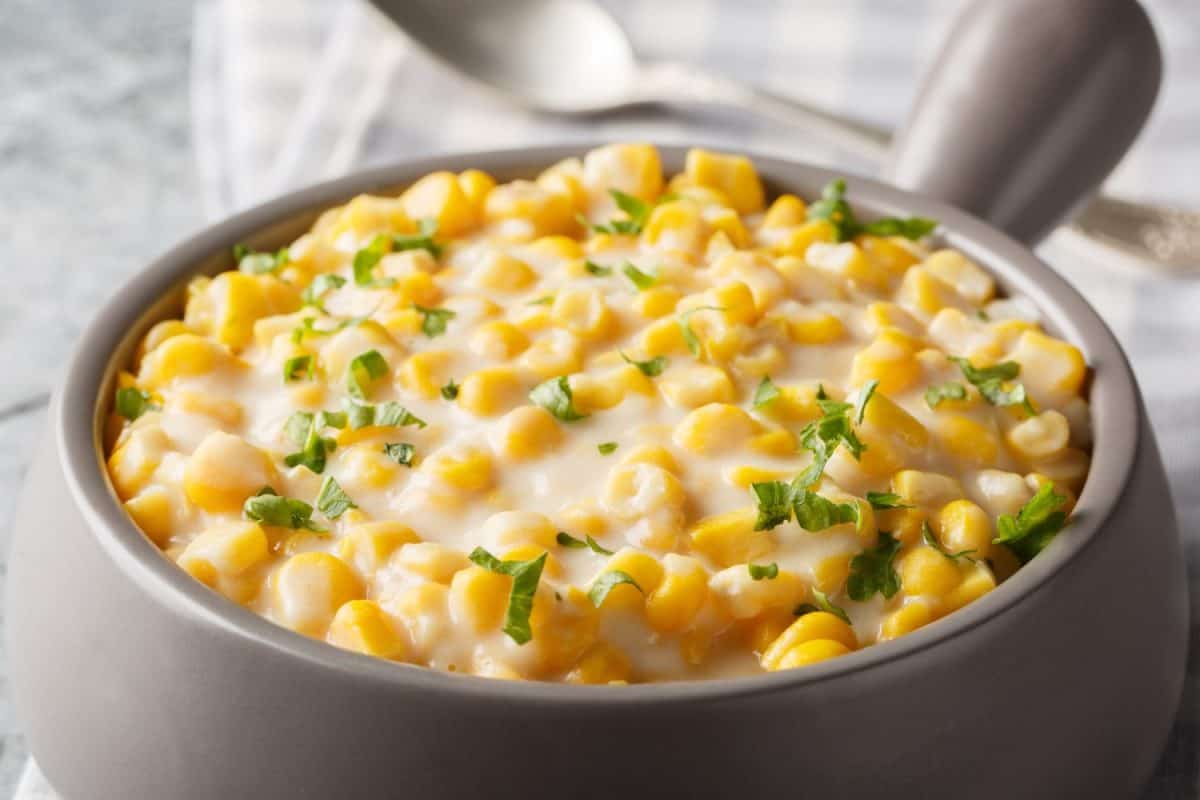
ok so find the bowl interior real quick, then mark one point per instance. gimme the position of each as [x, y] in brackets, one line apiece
[157, 293]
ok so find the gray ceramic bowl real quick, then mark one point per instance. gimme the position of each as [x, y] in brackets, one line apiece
[135, 681]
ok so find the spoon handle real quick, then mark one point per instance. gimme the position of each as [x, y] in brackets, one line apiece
[668, 83]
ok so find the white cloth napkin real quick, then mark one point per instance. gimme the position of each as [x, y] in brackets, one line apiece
[290, 92]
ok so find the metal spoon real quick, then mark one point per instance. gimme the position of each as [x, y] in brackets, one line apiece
[570, 57]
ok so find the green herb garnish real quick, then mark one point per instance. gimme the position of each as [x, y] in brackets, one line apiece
[365, 261]
[651, 368]
[384, 415]
[364, 370]
[607, 582]
[304, 430]
[636, 211]
[685, 325]
[952, 390]
[823, 604]
[567, 540]
[332, 501]
[525, 576]
[823, 437]
[765, 392]
[132, 402]
[881, 501]
[254, 263]
[606, 448]
[450, 390]
[555, 396]
[760, 571]
[297, 367]
[320, 285]
[599, 270]
[421, 240]
[1034, 526]
[833, 208]
[433, 322]
[641, 280]
[990, 383]
[815, 513]
[268, 508]
[864, 397]
[931, 540]
[400, 452]
[774, 504]
[872, 571]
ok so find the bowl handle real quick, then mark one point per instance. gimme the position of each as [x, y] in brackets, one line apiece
[1028, 107]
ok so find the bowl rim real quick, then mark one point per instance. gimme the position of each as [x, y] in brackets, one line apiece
[82, 401]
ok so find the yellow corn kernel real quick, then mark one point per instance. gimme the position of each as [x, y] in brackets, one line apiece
[417, 287]
[561, 248]
[810, 653]
[956, 270]
[564, 630]
[926, 489]
[796, 404]
[597, 392]
[239, 300]
[1040, 437]
[475, 185]
[583, 312]
[694, 646]
[657, 301]
[602, 663]
[639, 488]
[368, 466]
[426, 372]
[642, 567]
[158, 334]
[695, 385]
[1051, 370]
[526, 432]
[925, 295]
[631, 168]
[467, 468]
[786, 211]
[815, 328]
[652, 454]
[799, 240]
[132, 464]
[732, 175]
[891, 253]
[440, 196]
[963, 526]
[881, 316]
[678, 227]
[744, 597]
[498, 340]
[508, 529]
[758, 632]
[925, 571]
[309, 588]
[151, 510]
[182, 356]
[1067, 469]
[848, 262]
[551, 568]
[225, 551]
[728, 539]
[728, 222]
[905, 524]
[971, 442]
[478, 598]
[545, 212]
[341, 348]
[424, 611]
[714, 428]
[778, 442]
[664, 337]
[583, 518]
[491, 391]
[974, 585]
[224, 410]
[679, 597]
[906, 619]
[889, 359]
[368, 545]
[223, 471]
[361, 626]
[742, 477]
[554, 353]
[761, 359]
[830, 573]
[501, 272]
[432, 561]
[816, 626]
[365, 215]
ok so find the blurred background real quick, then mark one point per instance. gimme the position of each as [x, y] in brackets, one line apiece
[125, 125]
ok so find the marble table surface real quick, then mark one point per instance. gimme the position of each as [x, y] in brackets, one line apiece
[96, 177]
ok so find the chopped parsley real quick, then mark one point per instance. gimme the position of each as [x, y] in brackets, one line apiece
[450, 390]
[421, 240]
[951, 390]
[606, 448]
[641, 280]
[815, 513]
[320, 285]
[132, 402]
[254, 263]
[332, 501]
[607, 582]
[637, 213]
[833, 208]
[599, 270]
[760, 571]
[364, 370]
[864, 397]
[822, 604]
[881, 501]
[928, 537]
[567, 540]
[268, 508]
[989, 381]
[651, 368]
[365, 261]
[297, 367]
[433, 322]
[1034, 526]
[400, 452]
[823, 437]
[525, 576]
[555, 396]
[872, 571]
[304, 430]
[544, 300]
[774, 504]
[766, 392]
[384, 415]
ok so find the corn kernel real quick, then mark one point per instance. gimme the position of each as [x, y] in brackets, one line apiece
[498, 340]
[643, 568]
[787, 210]
[1040, 437]
[955, 269]
[732, 175]
[714, 428]
[816, 626]
[426, 372]
[799, 240]
[888, 359]
[510, 528]
[432, 561]
[925, 571]
[134, 461]
[830, 573]
[466, 467]
[675, 602]
[584, 313]
[440, 196]
[601, 664]
[309, 589]
[491, 391]
[547, 213]
[361, 626]
[526, 432]
[367, 546]
[964, 526]
[816, 328]
[223, 471]
[677, 227]
[695, 385]
[478, 598]
[906, 619]
[848, 262]
[744, 597]
[657, 301]
[631, 168]
[501, 272]
[554, 353]
[892, 253]
[970, 442]
[475, 185]
[974, 585]
[810, 653]
[926, 489]
[182, 356]
[151, 510]
[728, 539]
